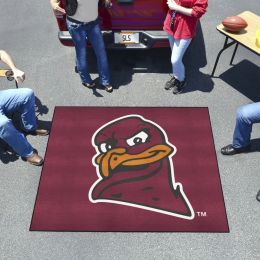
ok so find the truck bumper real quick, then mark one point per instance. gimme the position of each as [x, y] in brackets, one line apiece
[147, 40]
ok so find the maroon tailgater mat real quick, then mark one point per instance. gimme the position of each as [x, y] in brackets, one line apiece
[121, 169]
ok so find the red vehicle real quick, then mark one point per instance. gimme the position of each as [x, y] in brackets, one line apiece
[134, 24]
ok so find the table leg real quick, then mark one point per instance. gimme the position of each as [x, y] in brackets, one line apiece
[226, 45]
[234, 53]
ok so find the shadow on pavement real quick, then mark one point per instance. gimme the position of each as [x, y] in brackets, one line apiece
[40, 109]
[255, 145]
[124, 63]
[244, 77]
[6, 154]
[194, 59]
[44, 124]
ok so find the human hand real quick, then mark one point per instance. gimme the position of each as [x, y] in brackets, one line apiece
[18, 75]
[108, 3]
[172, 5]
[57, 9]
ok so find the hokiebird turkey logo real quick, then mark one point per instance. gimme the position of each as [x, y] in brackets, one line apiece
[134, 166]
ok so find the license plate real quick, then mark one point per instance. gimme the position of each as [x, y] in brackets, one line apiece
[126, 37]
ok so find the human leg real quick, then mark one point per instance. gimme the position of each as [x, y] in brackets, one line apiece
[78, 34]
[20, 101]
[96, 38]
[178, 50]
[15, 139]
[178, 47]
[246, 116]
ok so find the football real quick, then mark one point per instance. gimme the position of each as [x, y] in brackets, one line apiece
[234, 23]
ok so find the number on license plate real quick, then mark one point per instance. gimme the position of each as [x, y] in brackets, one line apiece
[126, 37]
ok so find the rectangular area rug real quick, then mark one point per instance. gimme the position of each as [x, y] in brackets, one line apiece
[125, 169]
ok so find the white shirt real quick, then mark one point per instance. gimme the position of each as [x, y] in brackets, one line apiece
[87, 11]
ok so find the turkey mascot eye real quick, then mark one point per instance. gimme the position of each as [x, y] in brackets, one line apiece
[139, 138]
[104, 147]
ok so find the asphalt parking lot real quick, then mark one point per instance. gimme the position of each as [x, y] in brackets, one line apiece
[28, 31]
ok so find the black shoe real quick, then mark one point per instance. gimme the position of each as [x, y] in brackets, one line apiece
[258, 196]
[170, 84]
[230, 150]
[89, 85]
[178, 86]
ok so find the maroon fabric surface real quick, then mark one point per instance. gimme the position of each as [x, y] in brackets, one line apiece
[180, 192]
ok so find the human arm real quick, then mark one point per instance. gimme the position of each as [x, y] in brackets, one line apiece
[197, 9]
[178, 8]
[106, 3]
[55, 5]
[18, 75]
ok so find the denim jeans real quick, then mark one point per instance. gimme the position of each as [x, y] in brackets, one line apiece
[246, 116]
[17, 101]
[80, 33]
[179, 47]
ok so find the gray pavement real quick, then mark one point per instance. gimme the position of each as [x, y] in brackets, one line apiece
[28, 31]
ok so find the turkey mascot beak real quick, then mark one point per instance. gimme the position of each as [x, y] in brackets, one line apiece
[119, 158]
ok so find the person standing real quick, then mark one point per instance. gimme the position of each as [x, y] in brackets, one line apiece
[83, 24]
[19, 102]
[180, 24]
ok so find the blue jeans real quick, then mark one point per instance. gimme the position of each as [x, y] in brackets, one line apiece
[246, 116]
[179, 47]
[21, 101]
[80, 33]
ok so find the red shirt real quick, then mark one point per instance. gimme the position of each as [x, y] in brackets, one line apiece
[185, 26]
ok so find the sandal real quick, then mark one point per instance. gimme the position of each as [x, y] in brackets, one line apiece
[34, 159]
[109, 88]
[89, 85]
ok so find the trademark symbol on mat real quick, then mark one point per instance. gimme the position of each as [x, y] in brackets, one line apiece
[201, 213]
